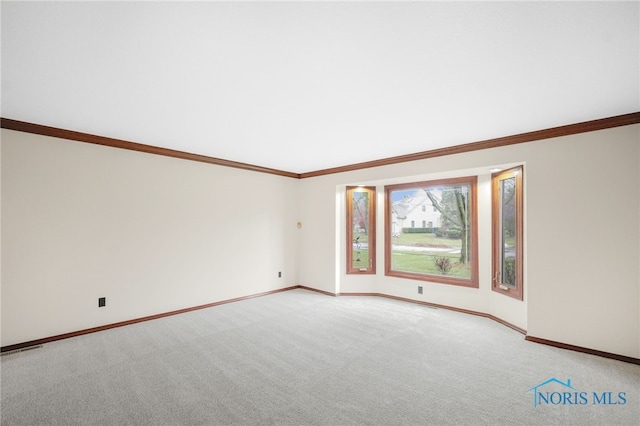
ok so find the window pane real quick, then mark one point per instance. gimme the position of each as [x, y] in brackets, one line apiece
[508, 227]
[508, 237]
[360, 230]
[442, 249]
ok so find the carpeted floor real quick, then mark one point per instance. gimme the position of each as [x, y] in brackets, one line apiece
[303, 358]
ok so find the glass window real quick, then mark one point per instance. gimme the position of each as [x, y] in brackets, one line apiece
[446, 251]
[507, 211]
[361, 230]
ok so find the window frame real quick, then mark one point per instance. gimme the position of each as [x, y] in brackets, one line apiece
[371, 190]
[517, 291]
[472, 281]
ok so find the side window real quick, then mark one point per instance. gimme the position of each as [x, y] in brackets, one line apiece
[446, 251]
[507, 233]
[361, 230]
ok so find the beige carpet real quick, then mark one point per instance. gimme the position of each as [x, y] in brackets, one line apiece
[302, 358]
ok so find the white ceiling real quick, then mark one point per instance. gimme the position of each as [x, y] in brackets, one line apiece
[304, 86]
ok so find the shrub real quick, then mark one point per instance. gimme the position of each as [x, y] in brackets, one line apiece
[454, 233]
[415, 230]
[509, 270]
[443, 264]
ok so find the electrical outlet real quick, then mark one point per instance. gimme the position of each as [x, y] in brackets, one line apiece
[279, 274]
[102, 301]
[419, 289]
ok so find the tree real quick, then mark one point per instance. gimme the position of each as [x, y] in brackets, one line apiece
[361, 210]
[508, 203]
[454, 209]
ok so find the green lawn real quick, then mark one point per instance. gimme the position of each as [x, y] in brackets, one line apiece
[420, 262]
[417, 261]
[360, 258]
[364, 238]
[423, 262]
[426, 240]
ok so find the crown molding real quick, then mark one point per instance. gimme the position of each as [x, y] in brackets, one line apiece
[554, 132]
[38, 129]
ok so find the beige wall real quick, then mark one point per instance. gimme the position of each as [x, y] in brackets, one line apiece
[585, 290]
[582, 237]
[155, 234]
[151, 234]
